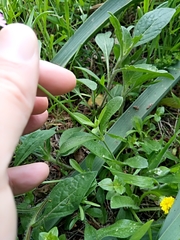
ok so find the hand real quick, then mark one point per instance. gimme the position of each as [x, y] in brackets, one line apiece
[22, 112]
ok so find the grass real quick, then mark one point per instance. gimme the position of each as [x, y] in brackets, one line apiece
[113, 130]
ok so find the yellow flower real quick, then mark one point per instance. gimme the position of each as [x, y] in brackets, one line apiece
[166, 204]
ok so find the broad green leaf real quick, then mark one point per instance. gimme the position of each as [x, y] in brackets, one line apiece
[122, 228]
[118, 201]
[136, 162]
[152, 23]
[143, 182]
[30, 144]
[68, 133]
[170, 227]
[105, 43]
[97, 149]
[148, 68]
[106, 184]
[90, 84]
[76, 140]
[141, 231]
[111, 108]
[90, 233]
[64, 199]
[82, 119]
[89, 28]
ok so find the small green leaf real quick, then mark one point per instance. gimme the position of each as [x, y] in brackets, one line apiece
[151, 24]
[127, 41]
[62, 237]
[90, 84]
[51, 235]
[143, 182]
[111, 108]
[90, 73]
[106, 184]
[105, 43]
[76, 140]
[82, 119]
[136, 162]
[82, 214]
[141, 231]
[118, 32]
[95, 212]
[118, 201]
[76, 166]
[161, 171]
[118, 186]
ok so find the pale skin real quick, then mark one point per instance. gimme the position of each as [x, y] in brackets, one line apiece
[23, 109]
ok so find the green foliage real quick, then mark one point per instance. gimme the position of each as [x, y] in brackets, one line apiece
[63, 200]
[149, 25]
[51, 235]
[123, 228]
[30, 143]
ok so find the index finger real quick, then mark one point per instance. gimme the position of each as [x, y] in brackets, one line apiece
[57, 80]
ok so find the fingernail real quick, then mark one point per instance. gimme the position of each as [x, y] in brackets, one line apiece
[18, 41]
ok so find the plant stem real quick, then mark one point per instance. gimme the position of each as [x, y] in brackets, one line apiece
[149, 209]
[65, 166]
[64, 108]
[136, 216]
[148, 193]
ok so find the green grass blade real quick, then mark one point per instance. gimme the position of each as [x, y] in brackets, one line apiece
[157, 160]
[146, 102]
[89, 28]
